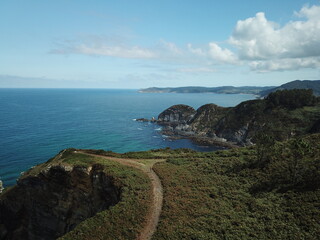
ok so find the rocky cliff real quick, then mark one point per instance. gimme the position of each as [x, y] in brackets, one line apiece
[179, 114]
[239, 125]
[49, 201]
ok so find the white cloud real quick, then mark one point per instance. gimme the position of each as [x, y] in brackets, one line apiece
[220, 54]
[110, 46]
[170, 48]
[284, 64]
[269, 47]
[196, 51]
[261, 44]
[196, 70]
[114, 51]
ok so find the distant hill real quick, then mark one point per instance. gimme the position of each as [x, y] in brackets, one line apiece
[297, 84]
[223, 89]
[260, 91]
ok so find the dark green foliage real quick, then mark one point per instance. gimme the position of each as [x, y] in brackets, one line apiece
[264, 147]
[291, 99]
[226, 195]
[282, 115]
[316, 127]
[297, 84]
[294, 165]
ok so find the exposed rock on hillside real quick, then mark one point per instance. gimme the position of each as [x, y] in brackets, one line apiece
[206, 118]
[239, 125]
[179, 114]
[52, 202]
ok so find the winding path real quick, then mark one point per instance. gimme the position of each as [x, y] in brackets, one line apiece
[157, 191]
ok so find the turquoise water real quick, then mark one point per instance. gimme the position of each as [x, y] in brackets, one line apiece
[35, 124]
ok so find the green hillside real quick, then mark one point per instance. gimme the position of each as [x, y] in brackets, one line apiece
[232, 195]
[297, 84]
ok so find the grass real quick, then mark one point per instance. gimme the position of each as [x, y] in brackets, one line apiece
[226, 194]
[129, 213]
[210, 196]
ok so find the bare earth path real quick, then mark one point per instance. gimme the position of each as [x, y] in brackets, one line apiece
[156, 206]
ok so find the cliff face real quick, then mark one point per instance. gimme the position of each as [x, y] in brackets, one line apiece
[239, 125]
[51, 203]
[206, 118]
[179, 114]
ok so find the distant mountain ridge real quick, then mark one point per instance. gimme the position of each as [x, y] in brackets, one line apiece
[195, 89]
[260, 91]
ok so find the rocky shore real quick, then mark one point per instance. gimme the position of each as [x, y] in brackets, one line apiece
[238, 126]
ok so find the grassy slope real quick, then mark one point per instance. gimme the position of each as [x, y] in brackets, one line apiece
[129, 213]
[217, 195]
[211, 196]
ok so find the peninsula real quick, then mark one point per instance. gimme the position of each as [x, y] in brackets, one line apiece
[259, 91]
[282, 115]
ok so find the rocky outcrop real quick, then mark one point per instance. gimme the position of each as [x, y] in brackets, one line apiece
[145, 120]
[206, 118]
[52, 202]
[240, 124]
[177, 114]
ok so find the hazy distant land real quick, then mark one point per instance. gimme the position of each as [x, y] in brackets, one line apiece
[260, 91]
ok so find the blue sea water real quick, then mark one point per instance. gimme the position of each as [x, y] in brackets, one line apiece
[35, 124]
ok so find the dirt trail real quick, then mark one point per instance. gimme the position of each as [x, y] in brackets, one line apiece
[155, 209]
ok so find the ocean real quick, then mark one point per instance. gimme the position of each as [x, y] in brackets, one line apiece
[35, 124]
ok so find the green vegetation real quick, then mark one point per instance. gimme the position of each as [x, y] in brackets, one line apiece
[261, 91]
[297, 84]
[282, 115]
[230, 195]
[125, 219]
[292, 99]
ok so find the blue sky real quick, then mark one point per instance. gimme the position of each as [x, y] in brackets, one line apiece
[137, 44]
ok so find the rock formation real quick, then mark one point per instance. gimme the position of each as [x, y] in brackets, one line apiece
[52, 202]
[179, 114]
[239, 125]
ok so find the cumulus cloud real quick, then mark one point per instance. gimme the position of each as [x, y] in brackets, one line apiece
[284, 64]
[264, 45]
[257, 42]
[196, 51]
[269, 47]
[220, 54]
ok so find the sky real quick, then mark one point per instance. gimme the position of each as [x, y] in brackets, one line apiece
[169, 43]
